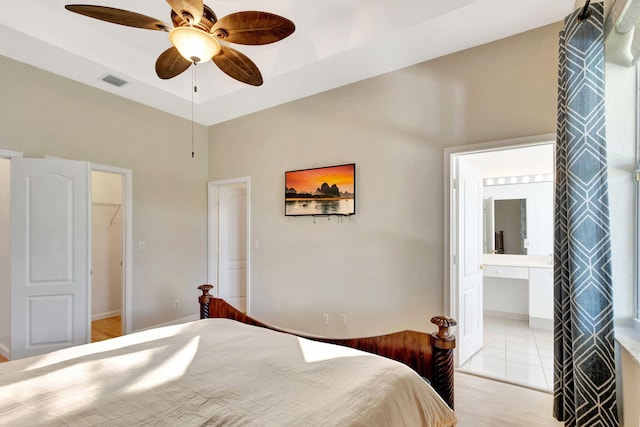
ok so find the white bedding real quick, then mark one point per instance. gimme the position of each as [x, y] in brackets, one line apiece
[215, 372]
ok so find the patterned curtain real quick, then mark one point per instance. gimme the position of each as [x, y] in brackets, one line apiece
[584, 366]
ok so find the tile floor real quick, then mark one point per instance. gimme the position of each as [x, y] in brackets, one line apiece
[514, 352]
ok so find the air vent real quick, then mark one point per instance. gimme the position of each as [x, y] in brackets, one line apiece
[113, 80]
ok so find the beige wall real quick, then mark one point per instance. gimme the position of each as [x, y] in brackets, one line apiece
[106, 188]
[383, 267]
[44, 114]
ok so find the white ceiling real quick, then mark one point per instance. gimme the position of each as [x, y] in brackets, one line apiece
[336, 42]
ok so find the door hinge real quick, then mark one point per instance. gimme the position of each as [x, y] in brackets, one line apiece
[455, 260]
[636, 176]
[454, 184]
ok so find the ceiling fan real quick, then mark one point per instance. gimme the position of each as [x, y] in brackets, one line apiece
[198, 35]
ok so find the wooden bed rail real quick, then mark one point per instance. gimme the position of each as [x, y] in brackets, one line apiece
[430, 355]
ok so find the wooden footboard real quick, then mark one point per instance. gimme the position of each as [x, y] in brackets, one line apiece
[430, 355]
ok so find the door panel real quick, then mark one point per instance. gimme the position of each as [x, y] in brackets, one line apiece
[468, 273]
[50, 278]
[51, 320]
[471, 311]
[50, 249]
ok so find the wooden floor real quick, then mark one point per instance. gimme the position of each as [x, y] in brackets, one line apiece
[106, 328]
[483, 402]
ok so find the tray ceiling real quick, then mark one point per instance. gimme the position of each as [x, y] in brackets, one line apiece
[336, 42]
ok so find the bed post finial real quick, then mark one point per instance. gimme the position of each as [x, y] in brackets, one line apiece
[443, 343]
[204, 300]
[444, 323]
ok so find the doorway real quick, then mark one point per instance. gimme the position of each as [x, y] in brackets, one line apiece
[229, 241]
[107, 262]
[112, 247]
[516, 297]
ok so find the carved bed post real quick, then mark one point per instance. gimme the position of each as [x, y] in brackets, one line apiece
[443, 343]
[204, 300]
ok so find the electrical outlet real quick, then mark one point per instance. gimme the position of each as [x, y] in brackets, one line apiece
[325, 318]
[176, 304]
[343, 319]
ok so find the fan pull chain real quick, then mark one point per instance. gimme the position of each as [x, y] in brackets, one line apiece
[195, 90]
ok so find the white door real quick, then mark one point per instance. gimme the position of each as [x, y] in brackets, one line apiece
[50, 247]
[232, 245]
[469, 252]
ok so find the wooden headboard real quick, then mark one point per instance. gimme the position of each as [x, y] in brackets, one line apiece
[430, 355]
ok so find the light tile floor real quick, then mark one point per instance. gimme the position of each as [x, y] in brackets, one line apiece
[514, 352]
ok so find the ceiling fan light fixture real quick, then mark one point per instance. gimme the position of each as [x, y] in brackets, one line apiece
[198, 34]
[193, 44]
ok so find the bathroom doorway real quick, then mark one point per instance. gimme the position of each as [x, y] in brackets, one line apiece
[516, 297]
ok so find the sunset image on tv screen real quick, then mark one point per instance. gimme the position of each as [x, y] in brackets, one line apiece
[321, 191]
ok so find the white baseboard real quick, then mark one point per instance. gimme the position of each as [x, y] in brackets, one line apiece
[106, 315]
[173, 322]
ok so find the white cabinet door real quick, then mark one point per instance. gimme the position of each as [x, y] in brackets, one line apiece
[50, 250]
[541, 297]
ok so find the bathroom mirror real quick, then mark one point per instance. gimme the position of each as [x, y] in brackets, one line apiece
[505, 226]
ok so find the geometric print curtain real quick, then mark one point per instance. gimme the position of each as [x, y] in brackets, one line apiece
[584, 365]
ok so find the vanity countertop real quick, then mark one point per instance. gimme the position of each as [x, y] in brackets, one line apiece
[531, 261]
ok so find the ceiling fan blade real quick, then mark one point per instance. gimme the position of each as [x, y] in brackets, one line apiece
[191, 11]
[238, 66]
[253, 28]
[119, 16]
[170, 64]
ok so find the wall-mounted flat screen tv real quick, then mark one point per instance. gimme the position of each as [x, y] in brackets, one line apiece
[328, 190]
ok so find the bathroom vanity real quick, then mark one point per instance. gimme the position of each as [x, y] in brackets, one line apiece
[519, 287]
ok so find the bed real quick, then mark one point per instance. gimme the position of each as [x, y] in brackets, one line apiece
[217, 371]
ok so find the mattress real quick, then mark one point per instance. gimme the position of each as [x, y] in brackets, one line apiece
[216, 372]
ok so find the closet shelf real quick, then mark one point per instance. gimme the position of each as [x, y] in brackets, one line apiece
[115, 205]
